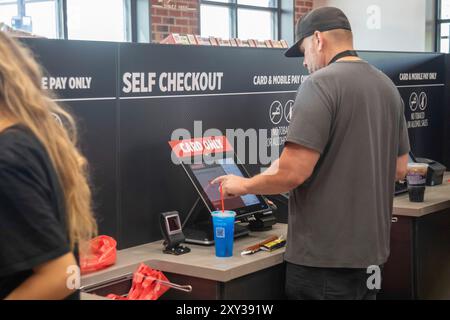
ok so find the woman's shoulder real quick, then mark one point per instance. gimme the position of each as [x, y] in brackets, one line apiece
[18, 146]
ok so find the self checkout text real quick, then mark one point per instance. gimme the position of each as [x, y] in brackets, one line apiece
[141, 82]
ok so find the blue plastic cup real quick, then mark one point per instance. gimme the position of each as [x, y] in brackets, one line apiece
[223, 227]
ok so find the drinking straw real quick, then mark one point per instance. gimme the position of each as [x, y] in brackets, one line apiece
[221, 198]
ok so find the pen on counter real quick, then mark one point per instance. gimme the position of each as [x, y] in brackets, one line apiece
[257, 247]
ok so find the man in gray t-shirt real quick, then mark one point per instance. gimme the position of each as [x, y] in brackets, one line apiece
[346, 146]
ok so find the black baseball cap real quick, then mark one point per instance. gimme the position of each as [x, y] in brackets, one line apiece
[320, 19]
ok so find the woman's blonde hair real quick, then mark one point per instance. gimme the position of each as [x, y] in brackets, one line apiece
[24, 101]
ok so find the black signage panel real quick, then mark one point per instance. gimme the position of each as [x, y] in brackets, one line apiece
[97, 124]
[408, 68]
[77, 69]
[420, 79]
[424, 111]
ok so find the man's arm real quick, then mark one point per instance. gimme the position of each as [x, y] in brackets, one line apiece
[294, 167]
[402, 167]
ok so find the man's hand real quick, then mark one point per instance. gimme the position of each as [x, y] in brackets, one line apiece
[294, 167]
[402, 167]
[232, 186]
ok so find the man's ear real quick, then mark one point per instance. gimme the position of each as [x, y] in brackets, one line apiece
[318, 37]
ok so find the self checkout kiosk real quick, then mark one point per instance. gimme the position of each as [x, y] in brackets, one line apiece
[203, 160]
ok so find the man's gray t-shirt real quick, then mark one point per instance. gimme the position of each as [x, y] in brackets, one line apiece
[353, 115]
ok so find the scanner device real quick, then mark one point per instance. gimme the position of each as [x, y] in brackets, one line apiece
[173, 235]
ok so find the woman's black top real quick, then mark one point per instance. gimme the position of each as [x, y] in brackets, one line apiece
[33, 226]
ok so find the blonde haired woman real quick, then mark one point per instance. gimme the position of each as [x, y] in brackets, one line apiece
[45, 201]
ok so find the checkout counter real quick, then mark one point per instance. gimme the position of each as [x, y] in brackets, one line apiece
[419, 264]
[418, 268]
[258, 276]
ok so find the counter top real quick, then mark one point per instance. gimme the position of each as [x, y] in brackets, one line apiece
[437, 198]
[201, 262]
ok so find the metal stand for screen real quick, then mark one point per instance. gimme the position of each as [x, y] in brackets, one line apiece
[200, 231]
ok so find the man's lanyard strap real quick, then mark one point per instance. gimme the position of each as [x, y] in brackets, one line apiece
[347, 53]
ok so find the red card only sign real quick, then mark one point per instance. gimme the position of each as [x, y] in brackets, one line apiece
[200, 146]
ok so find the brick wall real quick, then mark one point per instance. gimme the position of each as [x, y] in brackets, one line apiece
[182, 16]
[174, 16]
[302, 7]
